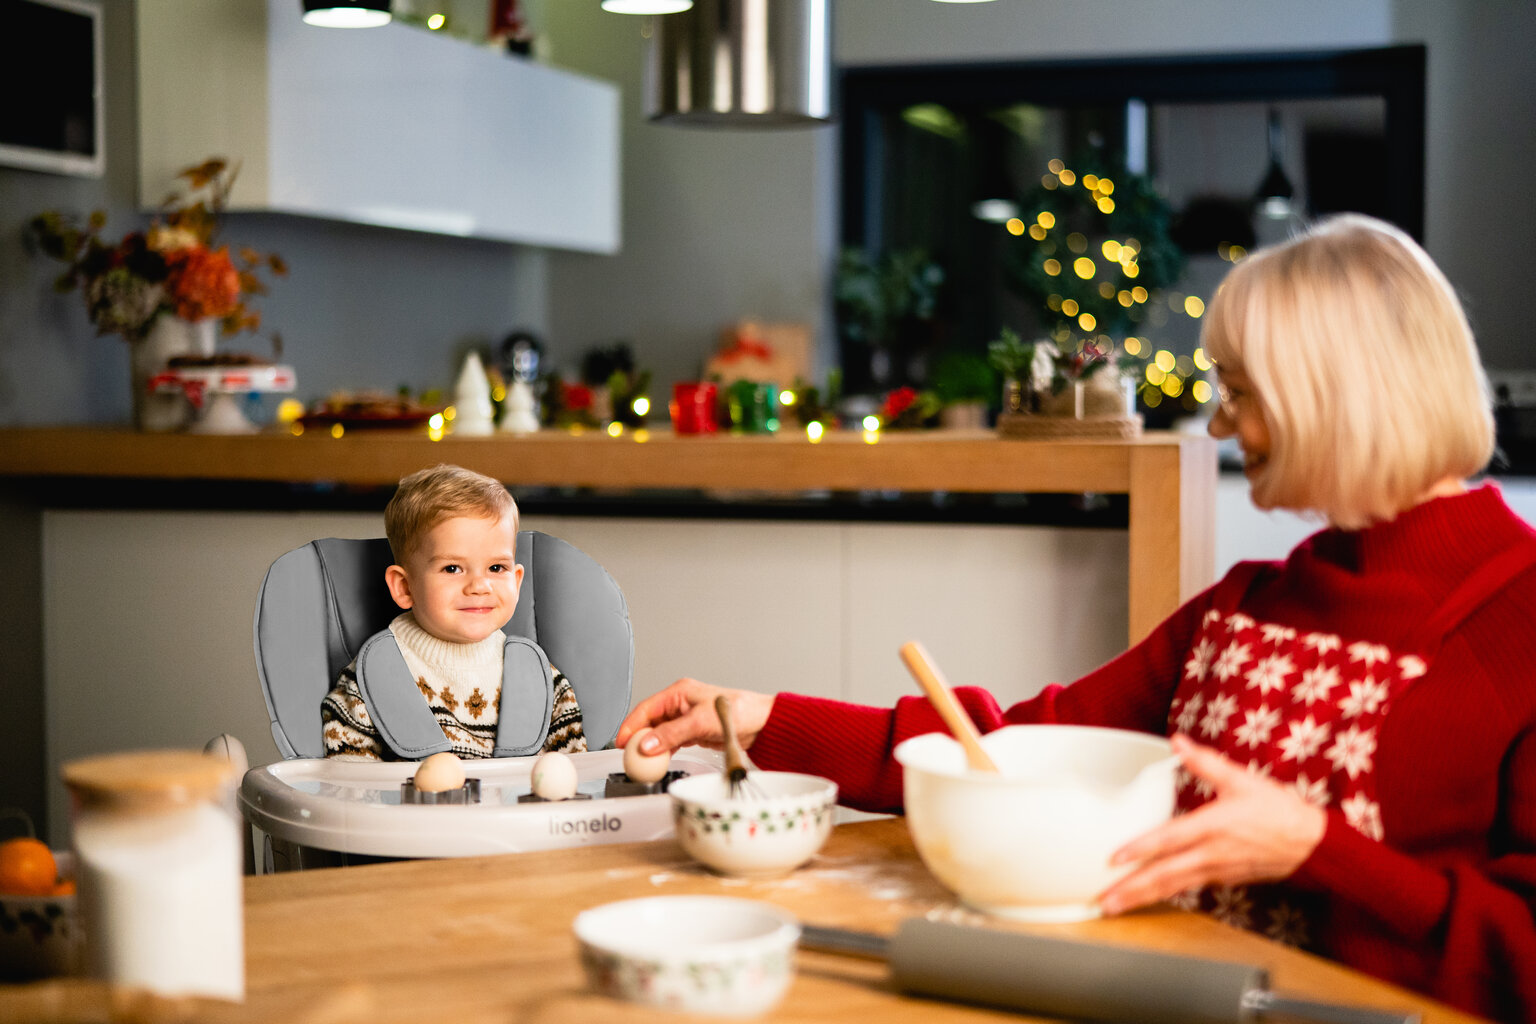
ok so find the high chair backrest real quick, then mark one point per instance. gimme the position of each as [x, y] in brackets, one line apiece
[319, 603]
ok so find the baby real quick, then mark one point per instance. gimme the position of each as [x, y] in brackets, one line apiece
[453, 533]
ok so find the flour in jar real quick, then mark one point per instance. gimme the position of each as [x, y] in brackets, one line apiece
[162, 898]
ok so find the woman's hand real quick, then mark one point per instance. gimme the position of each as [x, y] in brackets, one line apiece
[684, 713]
[1254, 830]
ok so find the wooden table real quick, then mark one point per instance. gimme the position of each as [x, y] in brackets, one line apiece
[1169, 478]
[489, 939]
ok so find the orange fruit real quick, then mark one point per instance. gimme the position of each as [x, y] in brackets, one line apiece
[64, 888]
[27, 867]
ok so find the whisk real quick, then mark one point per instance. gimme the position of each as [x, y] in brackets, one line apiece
[736, 763]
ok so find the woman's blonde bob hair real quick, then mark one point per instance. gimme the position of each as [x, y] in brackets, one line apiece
[428, 496]
[1364, 366]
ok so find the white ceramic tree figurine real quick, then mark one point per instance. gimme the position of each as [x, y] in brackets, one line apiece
[475, 415]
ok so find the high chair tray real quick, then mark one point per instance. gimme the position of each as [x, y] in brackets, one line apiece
[355, 807]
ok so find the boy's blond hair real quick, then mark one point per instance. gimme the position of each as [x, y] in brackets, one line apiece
[1364, 365]
[428, 496]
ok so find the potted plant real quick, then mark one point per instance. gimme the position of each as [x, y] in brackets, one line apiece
[965, 384]
[1015, 361]
[885, 304]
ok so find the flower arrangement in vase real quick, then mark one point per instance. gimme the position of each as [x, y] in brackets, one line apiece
[163, 289]
[1076, 391]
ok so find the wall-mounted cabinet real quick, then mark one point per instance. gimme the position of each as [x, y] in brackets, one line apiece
[394, 126]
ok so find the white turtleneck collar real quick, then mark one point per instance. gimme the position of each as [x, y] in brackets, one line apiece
[451, 660]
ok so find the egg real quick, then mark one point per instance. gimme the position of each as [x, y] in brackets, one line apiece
[554, 776]
[439, 773]
[644, 768]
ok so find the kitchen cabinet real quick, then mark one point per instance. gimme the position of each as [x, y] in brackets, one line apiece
[394, 126]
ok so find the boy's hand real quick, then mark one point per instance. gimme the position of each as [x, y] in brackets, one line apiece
[684, 713]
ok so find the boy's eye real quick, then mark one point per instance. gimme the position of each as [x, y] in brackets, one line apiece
[499, 567]
[452, 568]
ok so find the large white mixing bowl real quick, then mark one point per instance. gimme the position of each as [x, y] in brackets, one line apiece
[1033, 841]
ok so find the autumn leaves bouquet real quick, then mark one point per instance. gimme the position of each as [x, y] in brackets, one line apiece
[175, 267]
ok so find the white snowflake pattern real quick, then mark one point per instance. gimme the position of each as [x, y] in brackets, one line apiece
[1287, 925]
[1203, 788]
[1315, 684]
[1322, 643]
[1210, 617]
[1269, 674]
[1257, 726]
[1274, 633]
[1232, 905]
[1233, 657]
[1411, 666]
[1371, 654]
[1365, 698]
[1259, 768]
[1351, 751]
[1314, 792]
[1189, 899]
[1238, 621]
[1199, 662]
[1218, 710]
[1183, 778]
[1304, 739]
[1363, 815]
[1189, 714]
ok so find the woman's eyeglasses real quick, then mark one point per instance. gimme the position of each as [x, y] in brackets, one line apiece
[1229, 397]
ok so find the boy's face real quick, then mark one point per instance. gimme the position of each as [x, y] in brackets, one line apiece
[462, 580]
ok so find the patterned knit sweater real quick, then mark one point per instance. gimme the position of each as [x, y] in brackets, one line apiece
[1389, 675]
[461, 683]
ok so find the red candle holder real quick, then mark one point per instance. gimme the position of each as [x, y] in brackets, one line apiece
[693, 407]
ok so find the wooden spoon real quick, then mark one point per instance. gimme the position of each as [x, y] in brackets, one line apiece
[943, 700]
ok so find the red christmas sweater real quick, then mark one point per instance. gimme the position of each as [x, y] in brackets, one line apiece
[1389, 675]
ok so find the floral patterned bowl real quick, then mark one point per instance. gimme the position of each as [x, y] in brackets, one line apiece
[698, 954]
[40, 935]
[775, 824]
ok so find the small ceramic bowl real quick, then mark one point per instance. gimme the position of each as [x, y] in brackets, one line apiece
[698, 954]
[1033, 840]
[777, 822]
[40, 935]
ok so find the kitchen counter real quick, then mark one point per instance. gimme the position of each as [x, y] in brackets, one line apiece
[1169, 479]
[713, 594]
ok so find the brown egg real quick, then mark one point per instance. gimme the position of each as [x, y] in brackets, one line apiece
[440, 773]
[644, 768]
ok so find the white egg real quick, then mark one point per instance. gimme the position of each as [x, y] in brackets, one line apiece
[644, 768]
[554, 776]
[440, 773]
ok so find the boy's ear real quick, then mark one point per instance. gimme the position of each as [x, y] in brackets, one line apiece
[400, 585]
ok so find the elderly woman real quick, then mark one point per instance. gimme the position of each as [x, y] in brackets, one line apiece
[1357, 724]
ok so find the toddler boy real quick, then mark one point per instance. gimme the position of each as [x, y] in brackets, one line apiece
[453, 533]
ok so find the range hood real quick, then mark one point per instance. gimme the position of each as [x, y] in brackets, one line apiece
[742, 63]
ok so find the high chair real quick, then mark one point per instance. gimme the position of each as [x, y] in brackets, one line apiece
[319, 603]
[318, 608]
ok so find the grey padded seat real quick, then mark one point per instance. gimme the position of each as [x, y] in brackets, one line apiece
[319, 603]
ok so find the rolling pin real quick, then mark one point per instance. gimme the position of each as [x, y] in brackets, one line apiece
[1078, 980]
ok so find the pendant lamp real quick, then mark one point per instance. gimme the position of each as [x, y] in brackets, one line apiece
[742, 63]
[346, 13]
[1275, 191]
[646, 6]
